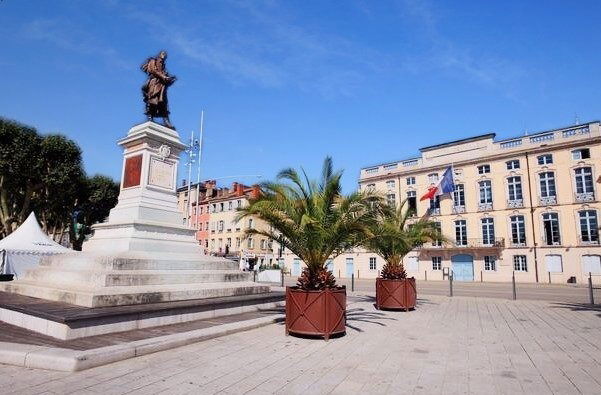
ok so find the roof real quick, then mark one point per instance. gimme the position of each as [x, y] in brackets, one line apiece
[461, 141]
[29, 238]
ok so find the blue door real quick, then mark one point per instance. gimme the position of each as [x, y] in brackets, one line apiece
[296, 267]
[463, 267]
[350, 267]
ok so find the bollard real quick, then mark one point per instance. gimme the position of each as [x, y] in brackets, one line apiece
[549, 277]
[282, 276]
[590, 289]
[358, 276]
[451, 284]
[425, 275]
[338, 273]
[254, 276]
[481, 278]
[513, 283]
[353, 282]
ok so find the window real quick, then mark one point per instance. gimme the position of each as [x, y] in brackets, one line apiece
[412, 202]
[553, 263]
[372, 263]
[513, 164]
[221, 207]
[546, 159]
[220, 226]
[220, 244]
[485, 191]
[433, 178]
[514, 185]
[490, 263]
[212, 244]
[391, 199]
[547, 184]
[488, 231]
[582, 153]
[461, 232]
[212, 226]
[410, 180]
[459, 195]
[250, 243]
[591, 264]
[250, 223]
[214, 208]
[229, 242]
[584, 180]
[370, 187]
[390, 185]
[551, 229]
[589, 226]
[200, 226]
[436, 263]
[519, 263]
[437, 243]
[230, 205]
[237, 242]
[518, 230]
[207, 226]
[238, 203]
[435, 205]
[483, 169]
[263, 244]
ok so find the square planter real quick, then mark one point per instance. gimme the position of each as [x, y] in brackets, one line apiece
[316, 313]
[396, 294]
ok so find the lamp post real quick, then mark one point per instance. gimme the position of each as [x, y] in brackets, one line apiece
[192, 150]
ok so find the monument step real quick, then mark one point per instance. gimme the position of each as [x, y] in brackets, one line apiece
[120, 296]
[173, 262]
[132, 277]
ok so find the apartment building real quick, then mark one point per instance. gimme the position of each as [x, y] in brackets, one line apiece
[219, 232]
[525, 206]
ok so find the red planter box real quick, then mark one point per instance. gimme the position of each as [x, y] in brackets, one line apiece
[316, 313]
[396, 294]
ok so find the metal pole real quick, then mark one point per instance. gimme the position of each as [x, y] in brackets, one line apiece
[425, 275]
[549, 277]
[202, 115]
[513, 283]
[282, 275]
[451, 284]
[590, 289]
[481, 277]
[353, 282]
[190, 161]
[254, 275]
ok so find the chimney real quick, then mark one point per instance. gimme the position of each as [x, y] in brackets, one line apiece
[210, 185]
[239, 191]
[256, 191]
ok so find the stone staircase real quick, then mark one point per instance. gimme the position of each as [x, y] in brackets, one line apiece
[91, 280]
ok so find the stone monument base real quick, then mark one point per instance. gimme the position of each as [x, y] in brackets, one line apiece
[96, 280]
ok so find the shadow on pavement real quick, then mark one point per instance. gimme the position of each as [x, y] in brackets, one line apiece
[578, 307]
[361, 315]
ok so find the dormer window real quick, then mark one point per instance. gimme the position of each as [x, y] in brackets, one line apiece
[433, 178]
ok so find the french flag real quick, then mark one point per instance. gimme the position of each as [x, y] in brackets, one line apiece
[444, 185]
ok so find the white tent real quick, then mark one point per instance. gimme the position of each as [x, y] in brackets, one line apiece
[23, 248]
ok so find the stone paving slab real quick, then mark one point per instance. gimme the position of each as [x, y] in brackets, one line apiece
[446, 346]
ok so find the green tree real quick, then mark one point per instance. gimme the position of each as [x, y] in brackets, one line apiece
[20, 172]
[313, 219]
[100, 197]
[395, 233]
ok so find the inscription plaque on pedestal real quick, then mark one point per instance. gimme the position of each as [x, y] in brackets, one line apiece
[133, 171]
[161, 173]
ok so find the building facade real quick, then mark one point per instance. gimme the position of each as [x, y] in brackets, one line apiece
[526, 206]
[214, 216]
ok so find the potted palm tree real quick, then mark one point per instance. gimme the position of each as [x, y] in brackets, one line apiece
[393, 235]
[316, 222]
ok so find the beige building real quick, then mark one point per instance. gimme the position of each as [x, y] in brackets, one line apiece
[527, 206]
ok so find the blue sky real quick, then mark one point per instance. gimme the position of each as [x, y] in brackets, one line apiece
[287, 83]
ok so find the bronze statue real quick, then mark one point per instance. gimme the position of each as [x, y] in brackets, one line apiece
[155, 88]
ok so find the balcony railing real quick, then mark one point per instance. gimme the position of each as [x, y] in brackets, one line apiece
[458, 209]
[585, 197]
[515, 203]
[575, 132]
[434, 211]
[484, 206]
[548, 200]
[497, 242]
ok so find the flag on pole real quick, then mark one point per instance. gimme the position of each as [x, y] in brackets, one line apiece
[444, 185]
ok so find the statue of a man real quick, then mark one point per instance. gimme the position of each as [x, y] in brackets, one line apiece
[155, 88]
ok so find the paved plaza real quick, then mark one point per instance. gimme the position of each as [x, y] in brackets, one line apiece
[447, 345]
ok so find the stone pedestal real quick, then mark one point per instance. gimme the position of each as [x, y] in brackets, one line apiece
[143, 253]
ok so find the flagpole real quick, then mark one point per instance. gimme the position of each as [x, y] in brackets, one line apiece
[202, 113]
[190, 161]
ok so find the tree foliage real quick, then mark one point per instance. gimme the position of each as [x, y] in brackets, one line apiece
[313, 219]
[395, 233]
[45, 174]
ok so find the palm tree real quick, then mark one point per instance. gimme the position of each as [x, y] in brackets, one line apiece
[394, 234]
[313, 220]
